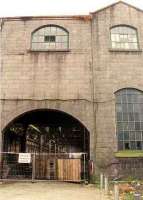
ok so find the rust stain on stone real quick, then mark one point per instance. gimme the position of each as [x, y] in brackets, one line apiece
[85, 17]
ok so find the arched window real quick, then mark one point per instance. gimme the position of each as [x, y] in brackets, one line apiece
[124, 37]
[50, 37]
[129, 119]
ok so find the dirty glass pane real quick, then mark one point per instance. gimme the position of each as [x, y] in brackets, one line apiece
[119, 108]
[130, 107]
[125, 107]
[137, 125]
[131, 126]
[132, 135]
[129, 117]
[120, 135]
[118, 98]
[126, 135]
[140, 99]
[137, 108]
[137, 116]
[120, 126]
[125, 116]
[119, 116]
[133, 145]
[141, 124]
[50, 38]
[124, 37]
[138, 135]
[124, 98]
[141, 116]
[141, 107]
[125, 126]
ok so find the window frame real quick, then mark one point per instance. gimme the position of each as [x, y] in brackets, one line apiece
[125, 49]
[52, 49]
[132, 132]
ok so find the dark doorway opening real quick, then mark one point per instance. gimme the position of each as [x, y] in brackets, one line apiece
[55, 137]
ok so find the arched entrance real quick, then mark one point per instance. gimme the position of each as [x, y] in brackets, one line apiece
[57, 142]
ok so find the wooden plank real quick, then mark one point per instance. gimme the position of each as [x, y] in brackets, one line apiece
[61, 170]
[69, 169]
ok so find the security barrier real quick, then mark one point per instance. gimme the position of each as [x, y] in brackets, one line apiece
[44, 166]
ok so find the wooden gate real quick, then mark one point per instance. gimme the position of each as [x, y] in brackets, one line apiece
[61, 168]
[69, 169]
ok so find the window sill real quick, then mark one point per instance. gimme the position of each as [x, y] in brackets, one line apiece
[125, 50]
[50, 50]
[129, 154]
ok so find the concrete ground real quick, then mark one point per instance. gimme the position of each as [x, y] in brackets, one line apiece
[49, 191]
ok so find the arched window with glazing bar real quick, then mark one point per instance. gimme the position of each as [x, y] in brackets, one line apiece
[129, 119]
[124, 37]
[50, 37]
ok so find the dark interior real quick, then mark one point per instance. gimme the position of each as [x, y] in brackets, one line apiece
[47, 131]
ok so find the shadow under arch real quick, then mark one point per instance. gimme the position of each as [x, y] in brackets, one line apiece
[42, 118]
[43, 110]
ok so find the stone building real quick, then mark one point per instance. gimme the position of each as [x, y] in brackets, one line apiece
[82, 74]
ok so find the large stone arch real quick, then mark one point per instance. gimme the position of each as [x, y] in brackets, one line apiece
[47, 132]
[20, 107]
[80, 110]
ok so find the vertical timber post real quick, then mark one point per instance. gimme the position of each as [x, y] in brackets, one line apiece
[101, 181]
[106, 184]
[33, 167]
[116, 191]
[84, 167]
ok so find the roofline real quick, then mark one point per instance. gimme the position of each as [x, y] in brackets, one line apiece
[113, 4]
[69, 17]
[63, 17]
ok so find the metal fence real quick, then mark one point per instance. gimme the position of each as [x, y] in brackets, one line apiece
[44, 166]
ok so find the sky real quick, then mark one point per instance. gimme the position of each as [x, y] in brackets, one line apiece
[11, 8]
